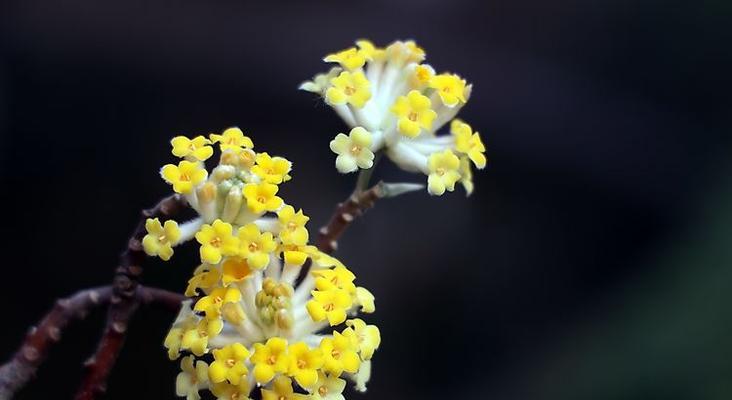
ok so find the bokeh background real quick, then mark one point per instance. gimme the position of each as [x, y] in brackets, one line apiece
[592, 262]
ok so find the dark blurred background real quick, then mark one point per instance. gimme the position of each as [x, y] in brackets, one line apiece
[592, 262]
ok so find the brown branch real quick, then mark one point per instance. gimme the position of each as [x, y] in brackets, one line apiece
[124, 303]
[344, 214]
[24, 364]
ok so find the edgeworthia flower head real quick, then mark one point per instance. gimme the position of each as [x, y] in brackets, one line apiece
[395, 104]
[253, 320]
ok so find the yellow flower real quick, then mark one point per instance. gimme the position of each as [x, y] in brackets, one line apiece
[352, 88]
[365, 299]
[366, 338]
[204, 277]
[197, 148]
[369, 51]
[191, 379]
[349, 59]
[328, 388]
[272, 169]
[421, 76]
[331, 304]
[232, 139]
[469, 143]
[185, 176]
[414, 113]
[227, 391]
[229, 364]
[261, 197]
[255, 246]
[282, 391]
[216, 241]
[443, 167]
[235, 269]
[339, 355]
[353, 150]
[466, 175]
[297, 254]
[304, 364]
[450, 87]
[195, 339]
[292, 226]
[160, 239]
[212, 303]
[269, 359]
[337, 278]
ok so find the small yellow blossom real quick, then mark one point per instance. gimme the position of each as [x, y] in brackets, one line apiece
[304, 364]
[369, 51]
[191, 379]
[262, 197]
[337, 278]
[353, 150]
[450, 88]
[468, 143]
[211, 304]
[352, 88]
[282, 391]
[339, 355]
[366, 338]
[443, 167]
[232, 139]
[204, 277]
[349, 59]
[235, 269]
[297, 254]
[421, 76]
[160, 239]
[216, 241]
[196, 338]
[255, 246]
[328, 388]
[272, 169]
[466, 175]
[365, 299]
[414, 113]
[227, 391]
[197, 148]
[292, 225]
[229, 364]
[269, 359]
[331, 304]
[184, 176]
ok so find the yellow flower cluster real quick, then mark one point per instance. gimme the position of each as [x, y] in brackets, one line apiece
[256, 318]
[396, 103]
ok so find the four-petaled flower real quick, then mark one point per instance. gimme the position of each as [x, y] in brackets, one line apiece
[272, 169]
[184, 176]
[229, 364]
[331, 304]
[349, 87]
[349, 59]
[197, 148]
[160, 239]
[468, 143]
[216, 241]
[450, 88]
[366, 338]
[414, 113]
[443, 167]
[232, 139]
[282, 390]
[255, 246]
[353, 150]
[269, 359]
[292, 225]
[304, 364]
[191, 379]
[262, 197]
[328, 388]
[339, 355]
